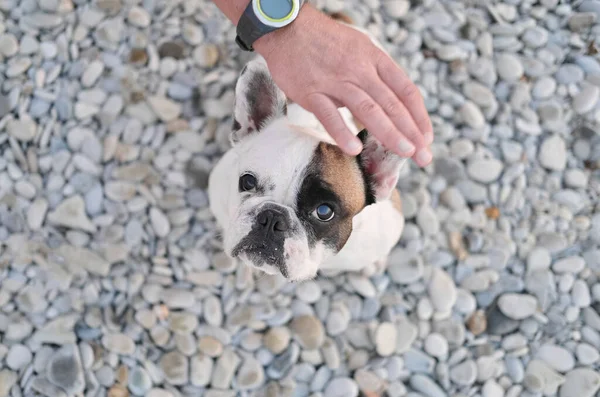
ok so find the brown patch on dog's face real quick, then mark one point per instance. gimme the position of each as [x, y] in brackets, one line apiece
[342, 173]
[336, 180]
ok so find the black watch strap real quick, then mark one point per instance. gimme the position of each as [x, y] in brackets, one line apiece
[250, 29]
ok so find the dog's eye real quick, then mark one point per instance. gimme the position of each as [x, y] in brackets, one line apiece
[324, 213]
[247, 183]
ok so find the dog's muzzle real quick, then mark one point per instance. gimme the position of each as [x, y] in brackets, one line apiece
[265, 241]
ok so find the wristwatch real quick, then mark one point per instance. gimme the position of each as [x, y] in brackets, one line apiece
[264, 16]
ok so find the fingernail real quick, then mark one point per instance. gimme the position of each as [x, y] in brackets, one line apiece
[354, 146]
[405, 147]
[423, 157]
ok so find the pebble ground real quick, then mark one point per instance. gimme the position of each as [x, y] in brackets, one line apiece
[112, 113]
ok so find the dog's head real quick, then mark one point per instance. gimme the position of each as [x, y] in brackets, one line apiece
[292, 198]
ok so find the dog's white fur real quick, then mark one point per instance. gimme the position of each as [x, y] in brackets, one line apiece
[280, 153]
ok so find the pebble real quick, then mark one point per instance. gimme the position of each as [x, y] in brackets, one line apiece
[492, 389]
[309, 331]
[570, 264]
[553, 153]
[477, 323]
[139, 382]
[485, 170]
[426, 386]
[210, 346]
[586, 99]
[192, 34]
[464, 374]
[18, 357]
[517, 306]
[580, 294]
[417, 361]
[442, 291]
[277, 339]
[396, 9]
[201, 368]
[7, 380]
[436, 345]
[472, 115]
[586, 354]
[9, 45]
[363, 286]
[175, 368]
[341, 387]
[71, 213]
[583, 382]
[206, 55]
[23, 129]
[139, 17]
[544, 88]
[556, 357]
[224, 370]
[119, 343]
[405, 268]
[535, 37]
[479, 94]
[509, 67]
[385, 339]
[92, 73]
[308, 291]
[165, 109]
[160, 222]
[250, 375]
[64, 370]
[338, 319]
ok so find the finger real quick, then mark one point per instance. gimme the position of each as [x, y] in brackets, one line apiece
[401, 118]
[326, 112]
[397, 80]
[370, 114]
[337, 103]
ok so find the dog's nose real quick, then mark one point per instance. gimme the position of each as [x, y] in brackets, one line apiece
[273, 221]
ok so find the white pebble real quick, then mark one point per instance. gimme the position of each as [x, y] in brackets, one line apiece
[436, 345]
[517, 306]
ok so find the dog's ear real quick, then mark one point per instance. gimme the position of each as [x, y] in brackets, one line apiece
[257, 100]
[380, 166]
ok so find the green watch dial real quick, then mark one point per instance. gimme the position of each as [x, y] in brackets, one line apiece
[276, 10]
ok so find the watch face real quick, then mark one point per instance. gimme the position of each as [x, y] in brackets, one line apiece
[276, 10]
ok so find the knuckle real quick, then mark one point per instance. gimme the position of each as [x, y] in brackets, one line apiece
[423, 122]
[367, 107]
[330, 117]
[410, 91]
[392, 107]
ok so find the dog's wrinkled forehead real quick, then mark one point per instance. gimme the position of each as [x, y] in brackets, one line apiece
[278, 158]
[284, 155]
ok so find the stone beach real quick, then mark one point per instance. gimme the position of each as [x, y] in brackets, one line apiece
[112, 278]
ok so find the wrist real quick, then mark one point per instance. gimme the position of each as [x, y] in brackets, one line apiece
[268, 43]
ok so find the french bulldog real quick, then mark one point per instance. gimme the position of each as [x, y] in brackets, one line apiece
[289, 201]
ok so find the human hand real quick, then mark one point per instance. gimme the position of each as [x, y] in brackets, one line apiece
[322, 65]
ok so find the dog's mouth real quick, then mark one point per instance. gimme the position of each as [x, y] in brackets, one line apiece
[262, 255]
